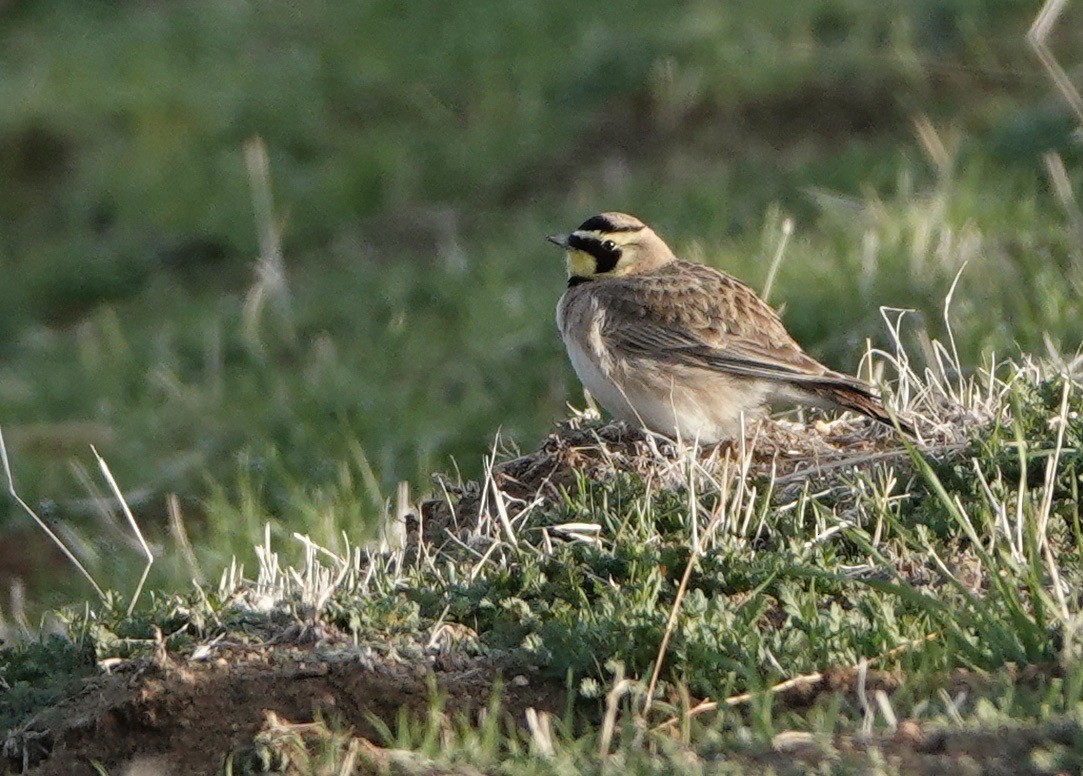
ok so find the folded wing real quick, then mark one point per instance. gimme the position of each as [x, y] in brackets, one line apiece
[696, 316]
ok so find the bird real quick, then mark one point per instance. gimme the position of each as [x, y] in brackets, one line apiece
[680, 348]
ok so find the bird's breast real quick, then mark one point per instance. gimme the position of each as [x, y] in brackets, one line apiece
[581, 320]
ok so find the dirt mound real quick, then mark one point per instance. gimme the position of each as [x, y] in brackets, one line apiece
[173, 714]
[788, 457]
[183, 718]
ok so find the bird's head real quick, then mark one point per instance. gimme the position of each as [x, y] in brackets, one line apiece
[611, 244]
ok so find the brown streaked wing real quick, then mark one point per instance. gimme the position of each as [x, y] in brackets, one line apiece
[691, 314]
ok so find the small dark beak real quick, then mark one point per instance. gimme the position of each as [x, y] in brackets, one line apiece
[559, 239]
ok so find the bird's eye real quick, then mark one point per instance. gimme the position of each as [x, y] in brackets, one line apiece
[609, 245]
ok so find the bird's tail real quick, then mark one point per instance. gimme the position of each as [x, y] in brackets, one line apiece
[850, 394]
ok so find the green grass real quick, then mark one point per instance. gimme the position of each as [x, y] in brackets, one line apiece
[417, 158]
[413, 186]
[959, 600]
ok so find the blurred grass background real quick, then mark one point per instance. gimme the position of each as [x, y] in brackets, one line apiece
[418, 154]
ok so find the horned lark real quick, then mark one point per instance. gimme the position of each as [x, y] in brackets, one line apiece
[680, 348]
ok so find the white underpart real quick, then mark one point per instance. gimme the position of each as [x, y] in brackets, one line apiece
[685, 403]
[604, 390]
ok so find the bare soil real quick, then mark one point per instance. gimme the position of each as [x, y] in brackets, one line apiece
[185, 718]
[162, 718]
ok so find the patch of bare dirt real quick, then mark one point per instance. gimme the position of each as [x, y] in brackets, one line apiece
[185, 718]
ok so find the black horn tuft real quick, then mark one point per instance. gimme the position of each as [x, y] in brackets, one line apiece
[611, 222]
